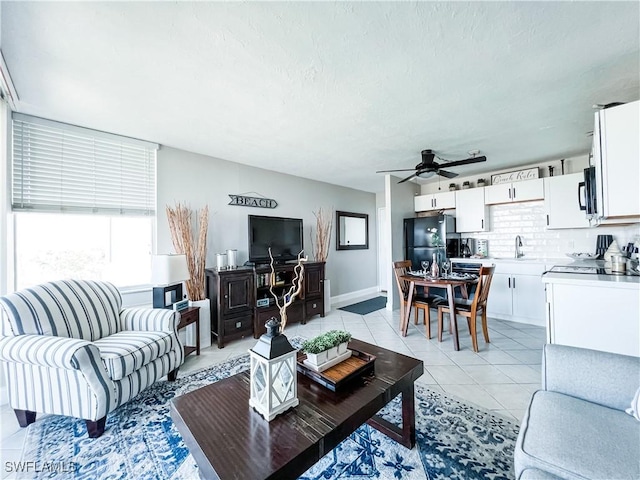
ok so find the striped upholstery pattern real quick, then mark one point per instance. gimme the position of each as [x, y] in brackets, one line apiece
[125, 352]
[69, 308]
[149, 319]
[69, 349]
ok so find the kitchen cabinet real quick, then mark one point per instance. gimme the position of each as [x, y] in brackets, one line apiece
[515, 192]
[472, 215]
[435, 201]
[561, 202]
[616, 150]
[599, 312]
[517, 293]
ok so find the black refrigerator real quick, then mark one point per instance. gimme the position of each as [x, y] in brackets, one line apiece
[425, 236]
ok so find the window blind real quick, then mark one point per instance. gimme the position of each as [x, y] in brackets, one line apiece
[63, 168]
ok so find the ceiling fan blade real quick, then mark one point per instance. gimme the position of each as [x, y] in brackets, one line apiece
[466, 161]
[399, 170]
[445, 174]
[409, 177]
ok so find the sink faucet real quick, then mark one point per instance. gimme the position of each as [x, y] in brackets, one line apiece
[519, 253]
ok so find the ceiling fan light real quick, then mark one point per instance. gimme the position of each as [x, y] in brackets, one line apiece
[426, 174]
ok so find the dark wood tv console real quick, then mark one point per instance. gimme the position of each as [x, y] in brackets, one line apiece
[234, 296]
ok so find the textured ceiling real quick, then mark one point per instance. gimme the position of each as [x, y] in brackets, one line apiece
[329, 91]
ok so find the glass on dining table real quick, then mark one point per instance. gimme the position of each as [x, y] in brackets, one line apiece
[425, 266]
[446, 267]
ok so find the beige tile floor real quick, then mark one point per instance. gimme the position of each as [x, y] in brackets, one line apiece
[501, 377]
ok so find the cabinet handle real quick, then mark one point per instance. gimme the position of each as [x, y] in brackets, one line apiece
[514, 193]
[514, 282]
[509, 193]
[547, 220]
[435, 202]
[509, 282]
[482, 223]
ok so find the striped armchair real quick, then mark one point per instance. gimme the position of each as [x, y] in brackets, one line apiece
[68, 348]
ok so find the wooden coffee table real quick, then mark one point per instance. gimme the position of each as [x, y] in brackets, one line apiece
[228, 439]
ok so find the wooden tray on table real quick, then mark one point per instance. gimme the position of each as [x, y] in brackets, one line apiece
[334, 378]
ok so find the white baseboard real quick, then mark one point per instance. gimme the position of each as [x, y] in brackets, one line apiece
[351, 297]
[511, 318]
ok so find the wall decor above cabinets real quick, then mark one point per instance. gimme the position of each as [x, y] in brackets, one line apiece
[259, 202]
[518, 176]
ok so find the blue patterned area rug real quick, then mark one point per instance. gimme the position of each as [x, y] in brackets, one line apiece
[454, 441]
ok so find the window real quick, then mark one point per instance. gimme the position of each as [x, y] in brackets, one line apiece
[84, 204]
[50, 246]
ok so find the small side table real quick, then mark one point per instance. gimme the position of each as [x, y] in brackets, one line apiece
[187, 317]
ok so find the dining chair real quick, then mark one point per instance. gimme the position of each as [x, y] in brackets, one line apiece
[473, 307]
[419, 302]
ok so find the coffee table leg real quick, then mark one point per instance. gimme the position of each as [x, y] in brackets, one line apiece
[406, 435]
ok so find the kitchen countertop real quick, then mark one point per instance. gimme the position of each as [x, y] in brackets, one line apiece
[631, 282]
[546, 261]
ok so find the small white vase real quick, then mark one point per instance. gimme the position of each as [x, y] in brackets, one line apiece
[205, 323]
[317, 359]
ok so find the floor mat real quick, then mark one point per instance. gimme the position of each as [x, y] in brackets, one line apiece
[368, 306]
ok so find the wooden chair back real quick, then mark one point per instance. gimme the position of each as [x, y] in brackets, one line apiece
[482, 290]
[401, 268]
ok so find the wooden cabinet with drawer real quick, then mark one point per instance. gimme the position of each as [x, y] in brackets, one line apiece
[231, 294]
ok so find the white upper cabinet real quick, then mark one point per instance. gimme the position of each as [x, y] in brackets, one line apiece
[515, 192]
[562, 199]
[435, 201]
[617, 160]
[472, 215]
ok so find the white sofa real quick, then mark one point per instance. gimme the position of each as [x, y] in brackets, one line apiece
[68, 348]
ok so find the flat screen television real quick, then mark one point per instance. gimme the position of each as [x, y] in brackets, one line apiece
[283, 235]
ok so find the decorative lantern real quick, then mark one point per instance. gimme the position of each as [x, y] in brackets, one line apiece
[274, 386]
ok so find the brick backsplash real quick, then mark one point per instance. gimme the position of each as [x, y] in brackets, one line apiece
[527, 219]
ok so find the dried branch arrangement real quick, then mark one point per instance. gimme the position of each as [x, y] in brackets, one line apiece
[296, 287]
[324, 224]
[185, 242]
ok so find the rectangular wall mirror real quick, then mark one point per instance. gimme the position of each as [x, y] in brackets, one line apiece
[352, 232]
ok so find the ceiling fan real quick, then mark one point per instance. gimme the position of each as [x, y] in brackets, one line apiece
[428, 166]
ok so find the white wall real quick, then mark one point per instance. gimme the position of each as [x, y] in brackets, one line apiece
[4, 220]
[399, 205]
[199, 180]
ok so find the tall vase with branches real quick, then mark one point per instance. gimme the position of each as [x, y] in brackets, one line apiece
[322, 234]
[194, 245]
[320, 240]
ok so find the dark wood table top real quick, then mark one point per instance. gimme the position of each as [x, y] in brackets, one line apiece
[228, 439]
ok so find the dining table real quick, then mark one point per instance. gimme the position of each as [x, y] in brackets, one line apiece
[449, 282]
